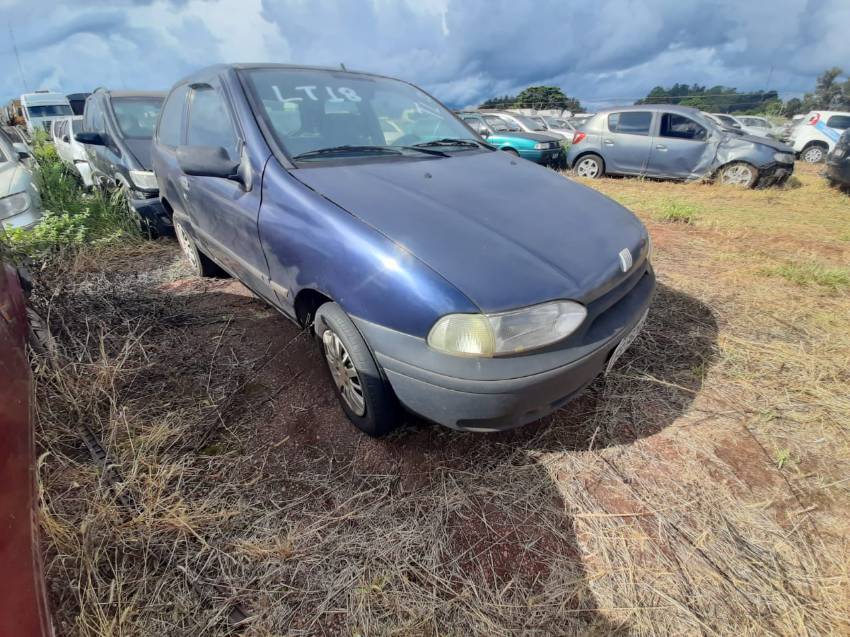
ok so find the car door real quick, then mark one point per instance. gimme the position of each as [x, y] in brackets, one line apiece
[224, 212]
[682, 147]
[626, 142]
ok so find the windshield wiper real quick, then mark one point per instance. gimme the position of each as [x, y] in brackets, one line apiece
[449, 141]
[340, 150]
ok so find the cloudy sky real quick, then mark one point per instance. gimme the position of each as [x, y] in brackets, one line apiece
[463, 51]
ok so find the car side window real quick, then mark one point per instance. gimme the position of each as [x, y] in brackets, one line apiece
[170, 126]
[209, 123]
[839, 122]
[681, 127]
[95, 122]
[630, 122]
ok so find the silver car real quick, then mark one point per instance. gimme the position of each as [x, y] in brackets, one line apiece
[556, 126]
[20, 204]
[675, 142]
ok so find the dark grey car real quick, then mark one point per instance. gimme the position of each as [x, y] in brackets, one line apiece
[675, 142]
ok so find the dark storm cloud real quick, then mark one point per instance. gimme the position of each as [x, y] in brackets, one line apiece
[461, 50]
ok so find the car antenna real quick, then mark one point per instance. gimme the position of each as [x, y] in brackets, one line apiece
[342, 66]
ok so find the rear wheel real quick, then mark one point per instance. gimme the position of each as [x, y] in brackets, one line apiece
[590, 166]
[739, 174]
[200, 263]
[814, 154]
[365, 396]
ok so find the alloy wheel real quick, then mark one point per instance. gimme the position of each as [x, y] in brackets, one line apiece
[344, 373]
[739, 175]
[587, 168]
[813, 155]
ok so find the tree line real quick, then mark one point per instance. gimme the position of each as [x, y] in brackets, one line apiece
[831, 92]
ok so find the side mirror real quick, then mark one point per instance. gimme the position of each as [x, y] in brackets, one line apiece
[66, 139]
[207, 161]
[484, 134]
[91, 139]
[22, 150]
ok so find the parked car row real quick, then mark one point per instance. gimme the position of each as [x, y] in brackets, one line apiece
[675, 142]
[517, 135]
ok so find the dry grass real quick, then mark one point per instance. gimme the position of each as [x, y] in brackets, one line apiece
[700, 489]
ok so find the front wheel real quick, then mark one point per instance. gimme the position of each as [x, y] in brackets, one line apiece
[739, 174]
[365, 396]
[589, 166]
[814, 154]
[200, 263]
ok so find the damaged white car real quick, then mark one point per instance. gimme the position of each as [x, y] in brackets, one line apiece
[675, 142]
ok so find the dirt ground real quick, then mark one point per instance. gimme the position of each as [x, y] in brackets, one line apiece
[700, 489]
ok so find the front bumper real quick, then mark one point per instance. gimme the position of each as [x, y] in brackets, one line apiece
[549, 157]
[775, 174]
[153, 214]
[503, 393]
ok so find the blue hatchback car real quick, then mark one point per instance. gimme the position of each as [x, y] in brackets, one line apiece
[473, 288]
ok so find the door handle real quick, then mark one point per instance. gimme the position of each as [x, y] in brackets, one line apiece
[608, 142]
[660, 147]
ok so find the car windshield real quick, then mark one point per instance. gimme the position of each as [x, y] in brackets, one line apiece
[49, 110]
[754, 121]
[500, 125]
[554, 122]
[136, 116]
[309, 111]
[530, 123]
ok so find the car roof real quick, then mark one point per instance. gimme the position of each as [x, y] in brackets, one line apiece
[208, 72]
[131, 93]
[668, 108]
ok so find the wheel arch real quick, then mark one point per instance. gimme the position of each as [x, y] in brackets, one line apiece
[584, 154]
[307, 301]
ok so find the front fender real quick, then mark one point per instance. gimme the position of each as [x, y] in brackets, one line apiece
[311, 243]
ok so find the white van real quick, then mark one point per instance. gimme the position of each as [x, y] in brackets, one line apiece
[42, 107]
[816, 137]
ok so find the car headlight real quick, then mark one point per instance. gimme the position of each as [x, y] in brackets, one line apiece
[14, 204]
[506, 332]
[783, 158]
[542, 145]
[143, 179]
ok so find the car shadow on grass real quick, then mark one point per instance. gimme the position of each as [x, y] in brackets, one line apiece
[507, 527]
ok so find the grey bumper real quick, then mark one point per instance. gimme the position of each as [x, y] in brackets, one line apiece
[500, 393]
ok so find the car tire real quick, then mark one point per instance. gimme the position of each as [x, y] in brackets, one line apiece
[814, 154]
[739, 174]
[200, 264]
[364, 394]
[589, 166]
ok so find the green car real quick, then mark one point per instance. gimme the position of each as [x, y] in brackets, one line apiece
[505, 135]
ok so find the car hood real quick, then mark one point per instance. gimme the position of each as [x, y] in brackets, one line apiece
[535, 137]
[506, 232]
[764, 141]
[140, 149]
